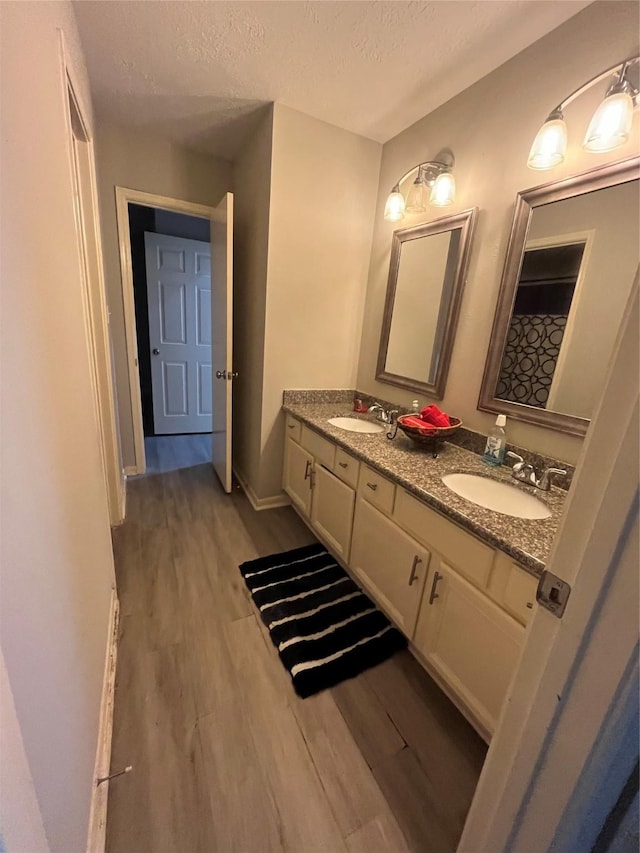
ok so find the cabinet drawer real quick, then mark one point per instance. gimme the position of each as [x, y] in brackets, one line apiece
[323, 450]
[346, 467]
[376, 489]
[520, 594]
[463, 551]
[293, 428]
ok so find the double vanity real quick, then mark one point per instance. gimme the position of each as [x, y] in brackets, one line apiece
[457, 578]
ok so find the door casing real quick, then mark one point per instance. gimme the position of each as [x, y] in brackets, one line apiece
[124, 197]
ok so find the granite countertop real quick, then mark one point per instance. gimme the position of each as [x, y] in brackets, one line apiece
[527, 541]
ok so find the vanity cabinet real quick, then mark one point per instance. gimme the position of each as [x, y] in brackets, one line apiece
[468, 642]
[324, 497]
[298, 466]
[332, 511]
[462, 604]
[391, 565]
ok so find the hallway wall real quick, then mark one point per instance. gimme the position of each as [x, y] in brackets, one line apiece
[143, 161]
[56, 559]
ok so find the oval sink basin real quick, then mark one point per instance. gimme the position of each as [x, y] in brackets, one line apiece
[500, 497]
[355, 425]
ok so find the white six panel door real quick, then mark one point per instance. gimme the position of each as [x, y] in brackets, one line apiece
[179, 305]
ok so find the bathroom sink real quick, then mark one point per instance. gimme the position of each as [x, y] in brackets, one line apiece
[356, 425]
[500, 497]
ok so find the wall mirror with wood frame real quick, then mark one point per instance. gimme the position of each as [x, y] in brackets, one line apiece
[570, 268]
[427, 272]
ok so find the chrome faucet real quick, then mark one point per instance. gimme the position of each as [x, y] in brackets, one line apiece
[387, 416]
[523, 472]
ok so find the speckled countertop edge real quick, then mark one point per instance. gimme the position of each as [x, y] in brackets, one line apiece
[527, 541]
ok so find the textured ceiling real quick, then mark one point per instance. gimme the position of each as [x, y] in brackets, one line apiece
[198, 72]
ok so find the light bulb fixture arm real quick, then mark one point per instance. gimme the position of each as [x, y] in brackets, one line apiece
[619, 66]
[438, 166]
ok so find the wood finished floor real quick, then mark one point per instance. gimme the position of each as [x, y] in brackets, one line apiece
[225, 756]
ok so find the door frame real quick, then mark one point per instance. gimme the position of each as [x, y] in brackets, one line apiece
[95, 309]
[124, 197]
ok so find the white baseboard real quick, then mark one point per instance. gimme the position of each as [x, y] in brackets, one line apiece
[257, 503]
[99, 796]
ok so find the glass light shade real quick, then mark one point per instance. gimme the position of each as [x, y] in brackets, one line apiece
[394, 208]
[611, 123]
[443, 191]
[550, 145]
[416, 197]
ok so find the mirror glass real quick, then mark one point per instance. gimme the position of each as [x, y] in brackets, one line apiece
[426, 277]
[571, 276]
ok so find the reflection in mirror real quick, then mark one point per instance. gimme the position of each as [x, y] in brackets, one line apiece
[426, 277]
[569, 273]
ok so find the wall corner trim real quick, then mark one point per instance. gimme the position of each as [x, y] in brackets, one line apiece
[97, 835]
[272, 502]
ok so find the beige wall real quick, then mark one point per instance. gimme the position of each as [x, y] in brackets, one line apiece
[56, 560]
[141, 161]
[323, 188]
[490, 127]
[252, 192]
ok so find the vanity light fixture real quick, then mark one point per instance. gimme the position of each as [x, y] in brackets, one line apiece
[433, 184]
[608, 129]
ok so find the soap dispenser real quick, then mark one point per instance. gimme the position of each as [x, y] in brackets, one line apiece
[496, 443]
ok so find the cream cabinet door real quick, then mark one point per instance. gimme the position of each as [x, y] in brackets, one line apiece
[332, 511]
[471, 643]
[390, 564]
[298, 466]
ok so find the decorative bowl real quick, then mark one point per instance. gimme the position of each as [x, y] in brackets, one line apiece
[427, 434]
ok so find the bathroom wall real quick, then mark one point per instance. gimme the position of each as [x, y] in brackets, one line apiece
[142, 161]
[490, 127]
[56, 559]
[323, 188]
[252, 194]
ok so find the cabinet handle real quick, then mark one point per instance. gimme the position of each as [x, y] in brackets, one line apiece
[436, 577]
[343, 464]
[372, 486]
[291, 426]
[412, 576]
[529, 605]
[307, 470]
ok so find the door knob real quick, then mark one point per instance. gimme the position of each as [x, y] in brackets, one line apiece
[156, 351]
[221, 374]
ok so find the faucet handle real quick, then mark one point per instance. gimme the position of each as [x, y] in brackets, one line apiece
[520, 463]
[545, 479]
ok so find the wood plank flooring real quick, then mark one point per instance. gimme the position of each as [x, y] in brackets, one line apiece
[225, 756]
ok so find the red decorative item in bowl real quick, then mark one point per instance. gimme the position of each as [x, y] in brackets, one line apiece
[427, 433]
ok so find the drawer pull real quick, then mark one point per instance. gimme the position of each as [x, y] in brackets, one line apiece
[372, 486]
[307, 470]
[437, 577]
[343, 464]
[529, 605]
[292, 426]
[416, 563]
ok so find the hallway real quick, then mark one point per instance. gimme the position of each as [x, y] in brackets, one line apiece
[225, 756]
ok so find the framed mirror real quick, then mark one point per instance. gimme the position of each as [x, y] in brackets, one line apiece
[570, 267]
[426, 277]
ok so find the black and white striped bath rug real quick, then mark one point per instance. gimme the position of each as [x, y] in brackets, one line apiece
[324, 627]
